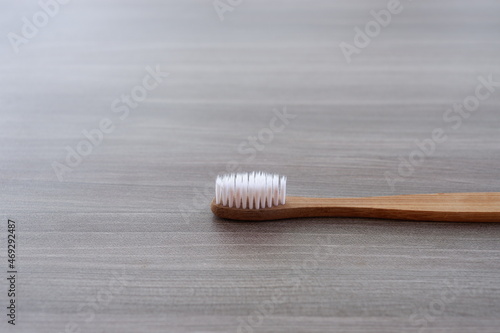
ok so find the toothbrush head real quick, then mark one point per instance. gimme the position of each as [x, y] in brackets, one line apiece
[254, 190]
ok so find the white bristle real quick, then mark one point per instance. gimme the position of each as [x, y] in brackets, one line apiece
[254, 190]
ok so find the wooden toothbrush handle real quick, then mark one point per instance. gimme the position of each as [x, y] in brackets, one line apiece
[453, 207]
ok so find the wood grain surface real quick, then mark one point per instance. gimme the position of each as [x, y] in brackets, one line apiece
[123, 239]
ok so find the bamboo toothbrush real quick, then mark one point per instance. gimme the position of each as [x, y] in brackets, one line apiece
[260, 196]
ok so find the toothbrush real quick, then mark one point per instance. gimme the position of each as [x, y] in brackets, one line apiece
[261, 196]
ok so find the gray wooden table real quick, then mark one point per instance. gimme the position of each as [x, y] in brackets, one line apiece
[116, 117]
